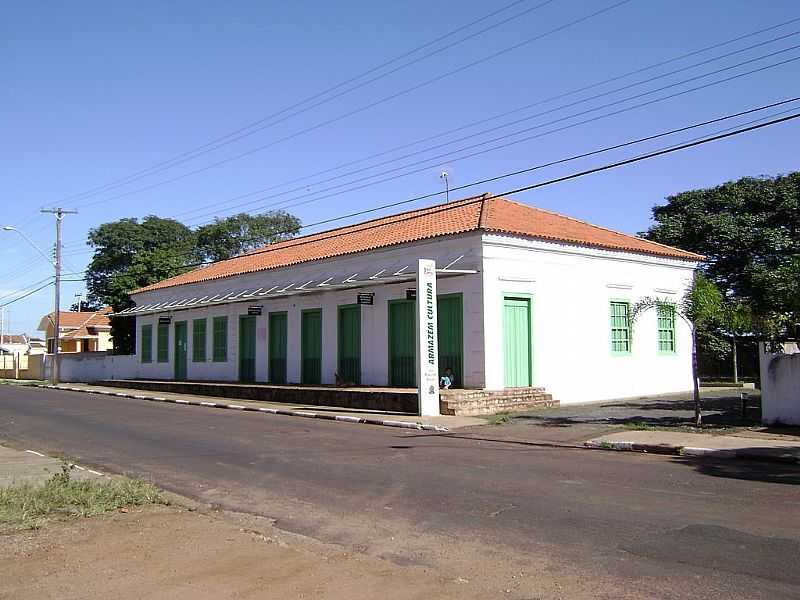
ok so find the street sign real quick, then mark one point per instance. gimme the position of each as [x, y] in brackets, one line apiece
[427, 346]
[411, 294]
[254, 311]
[365, 298]
[164, 320]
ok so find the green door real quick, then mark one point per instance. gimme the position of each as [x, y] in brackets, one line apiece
[247, 348]
[277, 347]
[517, 355]
[181, 350]
[349, 342]
[311, 346]
[450, 322]
[402, 343]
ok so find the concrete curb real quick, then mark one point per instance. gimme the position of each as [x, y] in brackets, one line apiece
[259, 409]
[743, 454]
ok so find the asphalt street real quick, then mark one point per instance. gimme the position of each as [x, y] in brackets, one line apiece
[667, 527]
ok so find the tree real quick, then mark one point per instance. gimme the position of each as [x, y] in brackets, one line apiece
[229, 237]
[701, 307]
[130, 254]
[749, 230]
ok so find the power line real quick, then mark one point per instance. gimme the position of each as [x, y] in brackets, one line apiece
[517, 110]
[310, 238]
[730, 132]
[270, 121]
[449, 156]
[363, 107]
[28, 294]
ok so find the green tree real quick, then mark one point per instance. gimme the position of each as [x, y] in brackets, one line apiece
[129, 254]
[749, 230]
[702, 308]
[229, 237]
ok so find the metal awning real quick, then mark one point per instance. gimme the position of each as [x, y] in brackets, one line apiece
[396, 273]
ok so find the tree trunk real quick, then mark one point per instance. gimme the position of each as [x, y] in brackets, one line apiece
[698, 416]
[735, 366]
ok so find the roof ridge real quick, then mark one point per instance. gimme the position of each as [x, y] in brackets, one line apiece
[399, 216]
[593, 225]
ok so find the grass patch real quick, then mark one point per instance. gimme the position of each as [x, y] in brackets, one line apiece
[499, 418]
[640, 426]
[29, 506]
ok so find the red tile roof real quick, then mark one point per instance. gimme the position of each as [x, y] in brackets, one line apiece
[78, 320]
[480, 213]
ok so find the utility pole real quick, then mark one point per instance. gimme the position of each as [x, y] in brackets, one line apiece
[59, 213]
[2, 324]
[445, 176]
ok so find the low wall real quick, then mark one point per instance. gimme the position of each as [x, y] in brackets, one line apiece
[780, 386]
[30, 366]
[96, 366]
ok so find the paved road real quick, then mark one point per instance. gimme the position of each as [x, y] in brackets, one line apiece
[629, 525]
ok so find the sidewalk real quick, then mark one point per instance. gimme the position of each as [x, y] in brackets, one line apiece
[773, 448]
[333, 413]
[31, 466]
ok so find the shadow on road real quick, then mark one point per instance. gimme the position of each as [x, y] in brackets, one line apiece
[745, 470]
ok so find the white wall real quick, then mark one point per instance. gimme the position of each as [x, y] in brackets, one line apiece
[571, 288]
[780, 385]
[374, 319]
[95, 366]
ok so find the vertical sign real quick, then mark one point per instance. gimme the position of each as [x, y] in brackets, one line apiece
[427, 351]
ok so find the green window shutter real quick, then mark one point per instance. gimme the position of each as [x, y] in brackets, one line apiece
[220, 339]
[146, 343]
[162, 344]
[199, 340]
[277, 347]
[666, 329]
[620, 327]
[311, 346]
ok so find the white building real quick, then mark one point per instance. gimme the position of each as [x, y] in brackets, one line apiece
[527, 298]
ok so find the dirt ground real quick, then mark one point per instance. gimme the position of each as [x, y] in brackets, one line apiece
[169, 552]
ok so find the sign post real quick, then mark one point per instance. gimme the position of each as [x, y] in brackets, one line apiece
[427, 333]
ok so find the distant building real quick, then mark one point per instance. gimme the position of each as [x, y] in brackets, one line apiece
[79, 331]
[14, 344]
[526, 297]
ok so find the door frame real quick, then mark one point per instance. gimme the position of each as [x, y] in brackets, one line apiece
[460, 296]
[254, 319]
[285, 315]
[304, 312]
[185, 326]
[529, 299]
[339, 310]
[389, 337]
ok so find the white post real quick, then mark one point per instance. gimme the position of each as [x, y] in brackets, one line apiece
[427, 346]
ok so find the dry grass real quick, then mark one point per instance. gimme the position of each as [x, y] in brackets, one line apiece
[29, 506]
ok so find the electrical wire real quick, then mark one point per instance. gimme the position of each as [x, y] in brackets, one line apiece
[361, 108]
[450, 158]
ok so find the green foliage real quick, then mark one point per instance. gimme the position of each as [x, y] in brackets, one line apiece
[29, 506]
[225, 238]
[749, 230]
[129, 254]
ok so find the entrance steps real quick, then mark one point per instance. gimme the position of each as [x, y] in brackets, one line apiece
[468, 402]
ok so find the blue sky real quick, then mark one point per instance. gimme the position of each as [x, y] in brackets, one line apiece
[94, 92]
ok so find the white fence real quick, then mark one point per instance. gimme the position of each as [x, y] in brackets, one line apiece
[780, 386]
[96, 366]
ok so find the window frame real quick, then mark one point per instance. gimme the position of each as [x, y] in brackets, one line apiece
[146, 350]
[672, 329]
[199, 351]
[162, 352]
[219, 340]
[613, 327]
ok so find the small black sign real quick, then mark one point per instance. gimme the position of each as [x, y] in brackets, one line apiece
[411, 294]
[255, 311]
[164, 320]
[365, 298]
